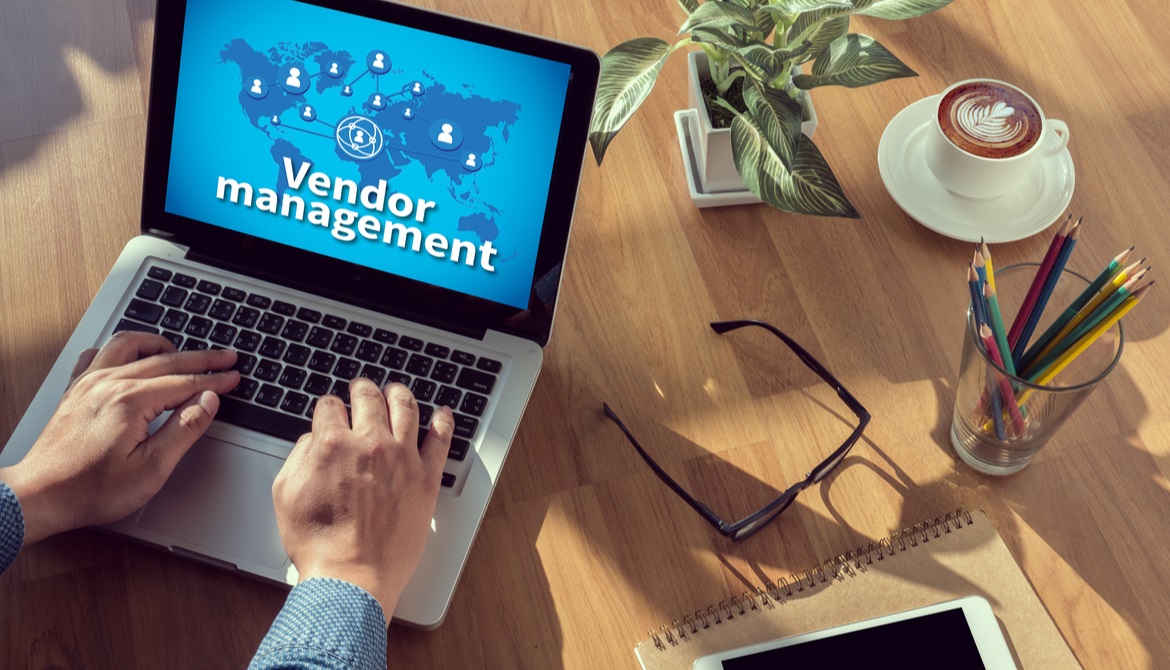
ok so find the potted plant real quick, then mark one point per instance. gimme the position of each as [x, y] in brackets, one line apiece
[754, 87]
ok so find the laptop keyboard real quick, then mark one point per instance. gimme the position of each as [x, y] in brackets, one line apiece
[290, 355]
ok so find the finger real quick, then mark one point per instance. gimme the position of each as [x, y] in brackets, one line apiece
[293, 463]
[127, 347]
[369, 407]
[179, 363]
[83, 363]
[438, 440]
[330, 414]
[403, 413]
[181, 429]
[171, 391]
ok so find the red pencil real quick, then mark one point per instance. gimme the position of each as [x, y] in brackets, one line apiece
[1005, 387]
[1038, 283]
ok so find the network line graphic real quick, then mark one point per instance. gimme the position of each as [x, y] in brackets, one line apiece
[361, 137]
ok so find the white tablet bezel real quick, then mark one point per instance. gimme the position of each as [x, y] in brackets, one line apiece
[993, 648]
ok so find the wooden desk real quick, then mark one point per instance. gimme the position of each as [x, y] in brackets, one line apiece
[582, 550]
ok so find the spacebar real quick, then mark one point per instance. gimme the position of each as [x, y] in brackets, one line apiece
[235, 411]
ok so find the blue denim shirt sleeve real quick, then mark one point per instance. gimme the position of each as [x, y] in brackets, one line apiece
[11, 527]
[326, 624]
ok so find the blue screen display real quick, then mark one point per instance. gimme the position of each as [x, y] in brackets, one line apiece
[400, 150]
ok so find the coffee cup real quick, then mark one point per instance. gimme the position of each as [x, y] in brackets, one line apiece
[984, 136]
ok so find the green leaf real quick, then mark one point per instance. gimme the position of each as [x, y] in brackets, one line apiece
[809, 188]
[797, 6]
[689, 6]
[853, 61]
[778, 116]
[765, 62]
[821, 35]
[720, 38]
[714, 14]
[898, 9]
[628, 72]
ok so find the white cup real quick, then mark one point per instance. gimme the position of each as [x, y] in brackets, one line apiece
[979, 177]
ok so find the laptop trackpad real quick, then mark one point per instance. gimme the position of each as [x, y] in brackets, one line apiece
[220, 497]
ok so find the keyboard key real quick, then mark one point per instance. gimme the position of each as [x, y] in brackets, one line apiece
[310, 315]
[312, 408]
[246, 317]
[198, 327]
[475, 380]
[149, 289]
[247, 341]
[127, 324]
[374, 373]
[341, 390]
[385, 336]
[261, 419]
[209, 287]
[223, 334]
[318, 384]
[245, 389]
[234, 294]
[175, 338]
[186, 281]
[397, 378]
[423, 389]
[174, 296]
[473, 404]
[462, 357]
[369, 351]
[244, 363]
[424, 415]
[285, 308]
[444, 372]
[394, 358]
[437, 350]
[320, 337]
[321, 361]
[294, 402]
[269, 395]
[174, 319]
[418, 364]
[448, 480]
[359, 329]
[297, 354]
[343, 344]
[198, 303]
[412, 343]
[270, 323]
[293, 378]
[259, 301]
[144, 311]
[222, 309]
[267, 370]
[459, 449]
[272, 347]
[488, 364]
[193, 344]
[465, 426]
[156, 272]
[347, 369]
[449, 396]
[334, 322]
[295, 330]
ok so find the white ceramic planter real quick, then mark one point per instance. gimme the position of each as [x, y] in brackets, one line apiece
[712, 146]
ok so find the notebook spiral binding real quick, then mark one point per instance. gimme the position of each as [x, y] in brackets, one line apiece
[840, 567]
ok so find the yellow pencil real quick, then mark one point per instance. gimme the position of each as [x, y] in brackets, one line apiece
[987, 262]
[1046, 375]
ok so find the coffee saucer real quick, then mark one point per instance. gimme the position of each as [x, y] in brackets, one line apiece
[1038, 202]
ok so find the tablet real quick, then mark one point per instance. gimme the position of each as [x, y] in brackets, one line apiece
[958, 635]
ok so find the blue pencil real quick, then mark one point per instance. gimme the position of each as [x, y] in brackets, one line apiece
[1066, 248]
[978, 307]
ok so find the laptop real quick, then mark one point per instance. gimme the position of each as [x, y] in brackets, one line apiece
[342, 188]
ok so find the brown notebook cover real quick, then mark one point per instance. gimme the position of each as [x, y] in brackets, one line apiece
[949, 557]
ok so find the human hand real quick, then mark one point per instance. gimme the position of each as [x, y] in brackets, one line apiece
[96, 461]
[356, 503]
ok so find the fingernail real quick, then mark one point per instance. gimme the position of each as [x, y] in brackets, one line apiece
[209, 402]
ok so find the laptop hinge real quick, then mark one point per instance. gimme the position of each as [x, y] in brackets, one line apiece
[348, 299]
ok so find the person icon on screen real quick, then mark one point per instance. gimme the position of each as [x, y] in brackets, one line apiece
[346, 90]
[417, 87]
[333, 69]
[256, 87]
[359, 138]
[470, 162]
[379, 61]
[308, 112]
[407, 113]
[377, 102]
[275, 120]
[445, 136]
[294, 78]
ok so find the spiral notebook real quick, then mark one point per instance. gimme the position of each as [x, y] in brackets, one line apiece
[950, 556]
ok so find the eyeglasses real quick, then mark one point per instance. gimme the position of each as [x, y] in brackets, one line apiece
[760, 518]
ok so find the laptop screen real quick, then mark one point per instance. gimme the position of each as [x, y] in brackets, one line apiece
[389, 147]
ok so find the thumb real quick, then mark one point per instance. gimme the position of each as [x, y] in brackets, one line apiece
[182, 428]
[82, 364]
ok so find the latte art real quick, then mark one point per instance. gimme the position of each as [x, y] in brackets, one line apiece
[990, 119]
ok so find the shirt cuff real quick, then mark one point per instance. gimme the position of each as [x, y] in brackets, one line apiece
[11, 527]
[326, 623]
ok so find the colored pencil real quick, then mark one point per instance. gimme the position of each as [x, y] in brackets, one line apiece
[978, 309]
[995, 320]
[1083, 299]
[1038, 283]
[1050, 281]
[1005, 386]
[987, 262]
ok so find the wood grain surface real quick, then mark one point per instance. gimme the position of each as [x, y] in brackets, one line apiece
[582, 550]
